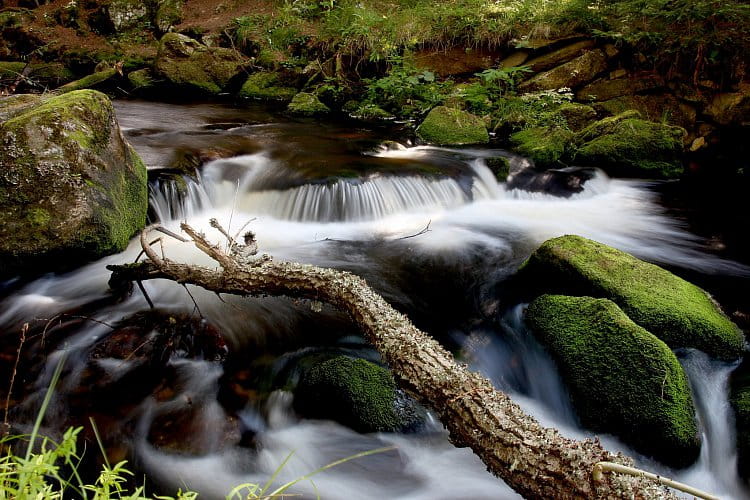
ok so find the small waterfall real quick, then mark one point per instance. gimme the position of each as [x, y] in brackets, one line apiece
[716, 469]
[177, 199]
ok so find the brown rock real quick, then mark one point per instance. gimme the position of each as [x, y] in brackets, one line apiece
[513, 60]
[557, 57]
[730, 108]
[653, 107]
[572, 74]
[456, 61]
[604, 90]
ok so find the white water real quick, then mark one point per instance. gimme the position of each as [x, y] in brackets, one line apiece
[310, 223]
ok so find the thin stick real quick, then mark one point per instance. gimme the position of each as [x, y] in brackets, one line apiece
[195, 303]
[145, 295]
[601, 467]
[424, 230]
[6, 425]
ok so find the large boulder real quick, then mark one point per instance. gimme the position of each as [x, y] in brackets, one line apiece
[355, 393]
[622, 379]
[547, 146]
[559, 56]
[71, 188]
[626, 145]
[190, 65]
[572, 74]
[451, 126]
[605, 89]
[677, 312]
[657, 108]
[306, 104]
[730, 108]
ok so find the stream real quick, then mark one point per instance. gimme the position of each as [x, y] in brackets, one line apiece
[429, 228]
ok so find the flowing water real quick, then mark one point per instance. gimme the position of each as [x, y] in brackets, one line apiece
[429, 228]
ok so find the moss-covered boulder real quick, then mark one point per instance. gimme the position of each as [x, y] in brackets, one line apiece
[167, 14]
[267, 86]
[657, 108]
[606, 89]
[48, 75]
[547, 146]
[450, 126]
[355, 393]
[141, 79]
[306, 104]
[190, 65]
[739, 396]
[626, 145]
[622, 379]
[677, 312]
[71, 188]
[576, 116]
[500, 166]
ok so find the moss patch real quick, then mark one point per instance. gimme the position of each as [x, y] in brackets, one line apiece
[547, 146]
[626, 145]
[679, 313]
[450, 126]
[354, 392]
[266, 86]
[622, 379]
[306, 104]
[500, 166]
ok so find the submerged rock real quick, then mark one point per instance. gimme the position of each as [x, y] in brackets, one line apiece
[629, 146]
[355, 393]
[677, 312]
[71, 188]
[188, 64]
[306, 104]
[450, 126]
[622, 379]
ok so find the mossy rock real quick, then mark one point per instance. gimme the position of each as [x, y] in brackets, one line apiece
[576, 116]
[677, 312]
[500, 166]
[306, 104]
[141, 79]
[267, 86]
[126, 14]
[629, 146]
[190, 65]
[71, 189]
[88, 81]
[44, 74]
[572, 74]
[168, 13]
[622, 379]
[657, 108]
[367, 112]
[450, 126]
[354, 392]
[739, 397]
[547, 146]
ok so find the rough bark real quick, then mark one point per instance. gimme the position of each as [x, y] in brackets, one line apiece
[535, 461]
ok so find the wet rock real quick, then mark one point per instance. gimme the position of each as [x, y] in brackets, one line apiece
[622, 379]
[563, 182]
[626, 145]
[677, 312]
[141, 80]
[306, 104]
[367, 112]
[571, 75]
[450, 126]
[546, 146]
[190, 65]
[71, 188]
[500, 166]
[267, 86]
[356, 393]
[559, 56]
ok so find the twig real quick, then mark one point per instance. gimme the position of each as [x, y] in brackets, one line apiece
[424, 230]
[243, 227]
[145, 294]
[143, 251]
[195, 303]
[6, 425]
[601, 467]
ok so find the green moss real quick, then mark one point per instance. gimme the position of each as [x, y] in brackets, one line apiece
[87, 82]
[355, 392]
[622, 379]
[679, 313]
[266, 86]
[10, 69]
[306, 104]
[141, 79]
[547, 146]
[371, 112]
[626, 145]
[576, 116]
[500, 166]
[450, 126]
[38, 217]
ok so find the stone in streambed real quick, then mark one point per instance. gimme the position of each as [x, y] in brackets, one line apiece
[355, 393]
[267, 86]
[547, 146]
[677, 312]
[71, 188]
[306, 104]
[622, 379]
[450, 126]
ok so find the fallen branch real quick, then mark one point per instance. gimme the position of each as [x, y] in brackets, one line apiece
[535, 461]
